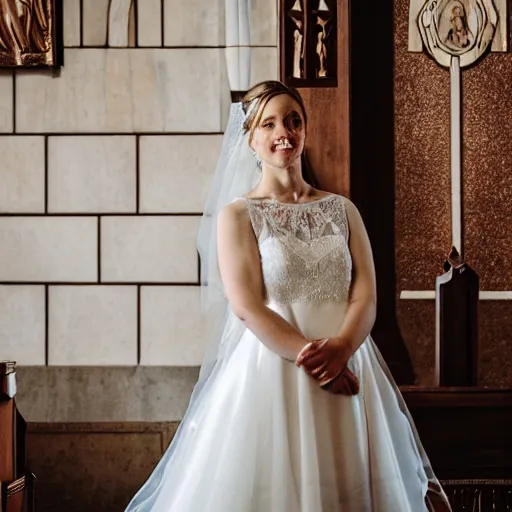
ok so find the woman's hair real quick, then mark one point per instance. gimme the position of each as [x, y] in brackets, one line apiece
[254, 103]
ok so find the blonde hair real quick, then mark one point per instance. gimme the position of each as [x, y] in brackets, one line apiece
[257, 98]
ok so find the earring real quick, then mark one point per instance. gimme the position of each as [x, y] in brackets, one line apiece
[258, 159]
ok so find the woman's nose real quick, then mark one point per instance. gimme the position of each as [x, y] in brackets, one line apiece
[282, 132]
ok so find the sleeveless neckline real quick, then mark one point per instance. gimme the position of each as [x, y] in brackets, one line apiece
[280, 203]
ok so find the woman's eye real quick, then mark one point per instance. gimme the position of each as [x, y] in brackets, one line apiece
[268, 125]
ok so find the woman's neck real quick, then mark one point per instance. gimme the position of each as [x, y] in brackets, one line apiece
[282, 184]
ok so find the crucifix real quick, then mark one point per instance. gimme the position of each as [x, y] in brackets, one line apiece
[456, 33]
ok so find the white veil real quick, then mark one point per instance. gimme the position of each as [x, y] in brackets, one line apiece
[237, 173]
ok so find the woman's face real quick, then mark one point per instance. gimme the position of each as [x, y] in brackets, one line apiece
[279, 138]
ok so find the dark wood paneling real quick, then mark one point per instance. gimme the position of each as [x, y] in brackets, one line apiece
[465, 431]
[85, 467]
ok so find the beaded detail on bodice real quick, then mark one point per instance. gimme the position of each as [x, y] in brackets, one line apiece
[304, 249]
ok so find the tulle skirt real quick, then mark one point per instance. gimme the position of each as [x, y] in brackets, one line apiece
[262, 436]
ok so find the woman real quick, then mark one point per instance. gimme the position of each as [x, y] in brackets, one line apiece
[295, 411]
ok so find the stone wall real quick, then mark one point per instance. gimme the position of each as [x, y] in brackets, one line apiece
[105, 168]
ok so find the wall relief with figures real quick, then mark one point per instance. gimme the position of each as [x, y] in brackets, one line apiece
[309, 40]
[30, 33]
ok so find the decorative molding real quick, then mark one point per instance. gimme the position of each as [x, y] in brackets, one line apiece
[431, 295]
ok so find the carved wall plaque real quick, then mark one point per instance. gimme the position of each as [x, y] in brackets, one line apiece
[467, 17]
[309, 52]
[457, 28]
[30, 33]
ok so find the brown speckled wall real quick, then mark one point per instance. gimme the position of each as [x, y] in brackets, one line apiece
[422, 125]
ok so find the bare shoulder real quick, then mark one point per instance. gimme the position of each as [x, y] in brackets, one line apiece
[234, 214]
[352, 211]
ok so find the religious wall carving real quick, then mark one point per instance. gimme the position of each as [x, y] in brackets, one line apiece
[458, 27]
[30, 33]
[309, 50]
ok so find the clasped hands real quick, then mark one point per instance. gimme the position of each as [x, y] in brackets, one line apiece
[326, 361]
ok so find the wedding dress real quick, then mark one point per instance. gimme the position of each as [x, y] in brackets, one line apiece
[266, 437]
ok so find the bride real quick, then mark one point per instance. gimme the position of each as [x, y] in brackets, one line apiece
[295, 410]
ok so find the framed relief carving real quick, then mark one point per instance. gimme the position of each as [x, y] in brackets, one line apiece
[31, 33]
[308, 35]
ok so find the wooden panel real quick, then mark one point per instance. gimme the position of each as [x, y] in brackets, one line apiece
[327, 144]
[465, 431]
[97, 467]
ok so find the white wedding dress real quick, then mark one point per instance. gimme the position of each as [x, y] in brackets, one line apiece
[265, 437]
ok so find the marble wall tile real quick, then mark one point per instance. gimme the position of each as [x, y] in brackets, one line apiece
[92, 174]
[46, 249]
[149, 23]
[118, 22]
[72, 22]
[22, 174]
[149, 249]
[114, 393]
[193, 23]
[124, 90]
[6, 101]
[176, 171]
[173, 332]
[264, 64]
[92, 325]
[95, 22]
[22, 324]
[264, 22]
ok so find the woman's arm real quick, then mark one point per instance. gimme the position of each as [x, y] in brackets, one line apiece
[361, 311]
[240, 269]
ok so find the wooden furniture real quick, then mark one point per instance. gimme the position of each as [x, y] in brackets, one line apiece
[16, 485]
[467, 434]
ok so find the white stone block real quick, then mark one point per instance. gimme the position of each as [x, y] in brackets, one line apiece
[264, 65]
[22, 325]
[6, 101]
[48, 249]
[149, 23]
[22, 174]
[193, 23]
[263, 22]
[118, 22]
[92, 174]
[124, 91]
[176, 172]
[72, 15]
[92, 325]
[149, 249]
[95, 22]
[172, 330]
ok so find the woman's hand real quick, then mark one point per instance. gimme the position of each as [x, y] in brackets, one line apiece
[326, 361]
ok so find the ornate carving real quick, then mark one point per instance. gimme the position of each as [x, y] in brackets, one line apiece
[28, 33]
[460, 26]
[309, 52]
[457, 28]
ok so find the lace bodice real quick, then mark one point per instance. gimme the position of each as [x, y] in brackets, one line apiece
[304, 249]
